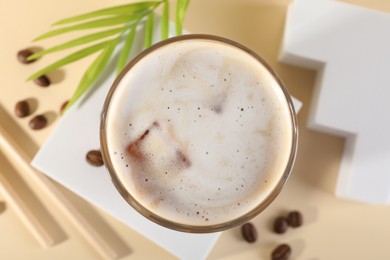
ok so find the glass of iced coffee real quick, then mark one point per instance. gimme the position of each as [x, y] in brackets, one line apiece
[198, 133]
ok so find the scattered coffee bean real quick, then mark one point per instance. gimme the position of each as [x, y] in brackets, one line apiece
[281, 252]
[23, 55]
[295, 219]
[42, 81]
[94, 158]
[63, 106]
[249, 232]
[280, 225]
[22, 109]
[3, 206]
[38, 122]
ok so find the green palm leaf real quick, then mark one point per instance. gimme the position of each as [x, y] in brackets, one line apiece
[128, 16]
[72, 58]
[149, 30]
[78, 41]
[93, 24]
[116, 10]
[126, 48]
[165, 21]
[92, 73]
[181, 8]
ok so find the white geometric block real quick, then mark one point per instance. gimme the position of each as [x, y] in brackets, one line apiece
[350, 48]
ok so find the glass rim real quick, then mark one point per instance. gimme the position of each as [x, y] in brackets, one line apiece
[180, 226]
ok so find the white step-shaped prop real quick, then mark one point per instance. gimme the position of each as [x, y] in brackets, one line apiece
[350, 48]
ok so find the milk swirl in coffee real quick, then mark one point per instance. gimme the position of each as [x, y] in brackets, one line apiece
[199, 132]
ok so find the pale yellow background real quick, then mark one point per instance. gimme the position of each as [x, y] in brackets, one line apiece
[334, 228]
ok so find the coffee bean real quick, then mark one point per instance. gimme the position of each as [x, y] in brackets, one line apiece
[281, 252]
[22, 109]
[94, 158]
[42, 81]
[295, 219]
[3, 206]
[23, 55]
[280, 225]
[63, 106]
[249, 232]
[38, 122]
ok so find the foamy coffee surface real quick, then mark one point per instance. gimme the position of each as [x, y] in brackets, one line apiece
[199, 132]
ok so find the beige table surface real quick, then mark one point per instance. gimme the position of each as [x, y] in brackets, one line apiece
[334, 228]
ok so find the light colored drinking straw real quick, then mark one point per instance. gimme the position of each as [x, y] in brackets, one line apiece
[36, 226]
[100, 244]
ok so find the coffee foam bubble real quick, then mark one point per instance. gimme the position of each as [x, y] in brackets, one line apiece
[199, 132]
